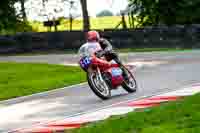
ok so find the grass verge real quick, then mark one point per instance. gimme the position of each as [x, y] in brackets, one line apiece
[177, 117]
[20, 79]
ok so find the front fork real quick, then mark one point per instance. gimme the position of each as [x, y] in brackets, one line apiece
[99, 75]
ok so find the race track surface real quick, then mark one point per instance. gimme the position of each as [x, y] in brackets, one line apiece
[160, 72]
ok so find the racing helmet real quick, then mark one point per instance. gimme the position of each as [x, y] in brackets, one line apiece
[93, 36]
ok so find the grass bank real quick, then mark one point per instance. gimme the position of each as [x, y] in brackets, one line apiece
[176, 117]
[20, 79]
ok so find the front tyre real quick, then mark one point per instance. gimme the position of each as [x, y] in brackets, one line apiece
[129, 83]
[100, 88]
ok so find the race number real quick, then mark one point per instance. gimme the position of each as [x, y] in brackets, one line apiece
[85, 62]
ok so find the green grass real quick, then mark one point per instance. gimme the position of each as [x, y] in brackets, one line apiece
[176, 117]
[20, 79]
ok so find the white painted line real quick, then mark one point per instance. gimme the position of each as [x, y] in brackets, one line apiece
[183, 92]
[95, 116]
[16, 113]
[105, 113]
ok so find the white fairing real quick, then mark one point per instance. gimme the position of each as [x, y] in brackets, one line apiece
[89, 48]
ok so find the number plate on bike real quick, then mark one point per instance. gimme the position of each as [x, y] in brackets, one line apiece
[116, 72]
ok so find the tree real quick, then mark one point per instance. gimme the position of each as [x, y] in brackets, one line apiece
[8, 17]
[154, 12]
[23, 11]
[105, 13]
[86, 20]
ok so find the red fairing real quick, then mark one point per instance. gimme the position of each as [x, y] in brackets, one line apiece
[107, 67]
[116, 80]
[102, 64]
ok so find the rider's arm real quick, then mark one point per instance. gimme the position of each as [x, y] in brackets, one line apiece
[105, 45]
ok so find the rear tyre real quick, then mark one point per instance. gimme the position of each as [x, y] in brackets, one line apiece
[100, 88]
[129, 83]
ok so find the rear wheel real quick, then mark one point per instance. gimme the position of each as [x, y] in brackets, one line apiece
[99, 87]
[129, 83]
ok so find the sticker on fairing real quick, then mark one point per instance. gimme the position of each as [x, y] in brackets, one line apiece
[85, 62]
[116, 72]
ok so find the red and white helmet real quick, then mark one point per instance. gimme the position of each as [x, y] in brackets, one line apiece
[93, 36]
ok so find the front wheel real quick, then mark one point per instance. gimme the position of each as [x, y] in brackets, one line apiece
[129, 83]
[99, 87]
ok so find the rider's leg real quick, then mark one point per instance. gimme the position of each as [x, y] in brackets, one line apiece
[112, 55]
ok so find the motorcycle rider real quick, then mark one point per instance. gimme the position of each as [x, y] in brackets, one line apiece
[101, 47]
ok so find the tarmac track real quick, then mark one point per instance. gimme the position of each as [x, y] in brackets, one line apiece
[156, 73]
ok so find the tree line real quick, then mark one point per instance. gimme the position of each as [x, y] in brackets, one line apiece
[147, 12]
[11, 20]
[167, 12]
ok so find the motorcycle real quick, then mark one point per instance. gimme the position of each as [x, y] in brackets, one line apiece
[102, 79]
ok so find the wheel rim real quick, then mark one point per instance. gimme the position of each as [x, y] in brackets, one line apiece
[100, 86]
